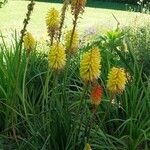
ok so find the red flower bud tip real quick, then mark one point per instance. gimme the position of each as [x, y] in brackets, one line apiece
[96, 94]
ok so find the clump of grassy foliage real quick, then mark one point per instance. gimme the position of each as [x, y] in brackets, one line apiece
[38, 109]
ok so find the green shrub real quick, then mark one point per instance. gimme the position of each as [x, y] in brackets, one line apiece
[139, 40]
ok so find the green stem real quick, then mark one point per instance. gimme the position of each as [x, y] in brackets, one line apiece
[45, 92]
[23, 88]
[65, 82]
[91, 123]
[108, 108]
[77, 117]
[64, 8]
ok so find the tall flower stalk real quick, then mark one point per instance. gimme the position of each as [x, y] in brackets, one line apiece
[96, 98]
[73, 49]
[56, 59]
[116, 82]
[90, 69]
[26, 21]
[52, 23]
[63, 14]
[30, 8]
[77, 8]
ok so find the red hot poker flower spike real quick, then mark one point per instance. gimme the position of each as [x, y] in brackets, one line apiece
[96, 94]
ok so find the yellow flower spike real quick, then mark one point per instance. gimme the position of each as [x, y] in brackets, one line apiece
[87, 147]
[90, 65]
[29, 41]
[75, 42]
[52, 20]
[57, 56]
[116, 80]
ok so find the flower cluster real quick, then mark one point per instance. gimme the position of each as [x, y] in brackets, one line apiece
[77, 6]
[57, 56]
[90, 65]
[52, 21]
[29, 41]
[71, 47]
[116, 80]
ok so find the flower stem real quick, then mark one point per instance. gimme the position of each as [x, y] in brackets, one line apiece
[63, 13]
[108, 108]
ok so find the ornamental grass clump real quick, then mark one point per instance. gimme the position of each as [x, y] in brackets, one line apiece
[90, 65]
[57, 56]
[116, 80]
[52, 23]
[75, 42]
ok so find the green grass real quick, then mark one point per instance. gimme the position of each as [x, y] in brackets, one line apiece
[13, 13]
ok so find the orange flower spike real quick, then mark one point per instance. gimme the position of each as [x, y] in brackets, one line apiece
[96, 94]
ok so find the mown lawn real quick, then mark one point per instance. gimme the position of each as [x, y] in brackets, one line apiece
[13, 13]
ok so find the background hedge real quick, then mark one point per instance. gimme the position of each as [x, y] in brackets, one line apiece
[123, 1]
[120, 1]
